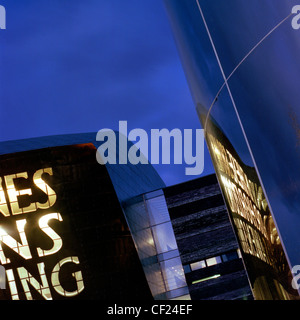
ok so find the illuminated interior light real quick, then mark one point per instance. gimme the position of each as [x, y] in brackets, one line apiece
[208, 278]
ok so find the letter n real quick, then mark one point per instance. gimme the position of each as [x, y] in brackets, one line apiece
[21, 249]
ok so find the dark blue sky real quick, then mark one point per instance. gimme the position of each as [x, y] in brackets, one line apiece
[80, 66]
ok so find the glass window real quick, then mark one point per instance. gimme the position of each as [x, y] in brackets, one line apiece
[168, 255]
[185, 297]
[187, 268]
[173, 273]
[230, 256]
[198, 265]
[180, 294]
[213, 261]
[157, 210]
[164, 237]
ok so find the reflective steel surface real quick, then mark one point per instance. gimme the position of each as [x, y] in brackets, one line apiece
[251, 121]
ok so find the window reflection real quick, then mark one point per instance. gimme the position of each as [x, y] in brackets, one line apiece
[252, 220]
[173, 273]
[164, 237]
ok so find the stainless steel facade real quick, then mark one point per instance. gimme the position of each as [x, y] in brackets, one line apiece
[240, 60]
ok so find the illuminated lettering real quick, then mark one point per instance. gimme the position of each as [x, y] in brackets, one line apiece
[26, 278]
[12, 284]
[21, 249]
[77, 275]
[3, 204]
[13, 194]
[2, 278]
[42, 285]
[41, 184]
[15, 239]
[57, 241]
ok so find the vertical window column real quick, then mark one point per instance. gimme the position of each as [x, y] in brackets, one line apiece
[166, 246]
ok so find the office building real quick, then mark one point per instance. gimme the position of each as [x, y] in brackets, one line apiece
[206, 241]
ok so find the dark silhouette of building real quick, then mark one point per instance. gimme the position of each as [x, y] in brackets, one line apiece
[63, 233]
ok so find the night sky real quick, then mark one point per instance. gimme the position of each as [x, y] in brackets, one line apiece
[80, 66]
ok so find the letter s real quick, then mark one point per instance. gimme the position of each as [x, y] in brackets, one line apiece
[295, 283]
[57, 241]
[295, 21]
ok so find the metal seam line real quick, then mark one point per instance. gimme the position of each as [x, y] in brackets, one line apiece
[237, 114]
[239, 64]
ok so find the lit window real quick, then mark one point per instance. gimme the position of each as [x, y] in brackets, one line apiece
[213, 261]
[198, 265]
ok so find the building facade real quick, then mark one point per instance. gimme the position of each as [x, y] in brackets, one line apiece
[251, 137]
[206, 241]
[63, 233]
[71, 228]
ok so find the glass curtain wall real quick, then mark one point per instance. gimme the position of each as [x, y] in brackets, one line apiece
[149, 222]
